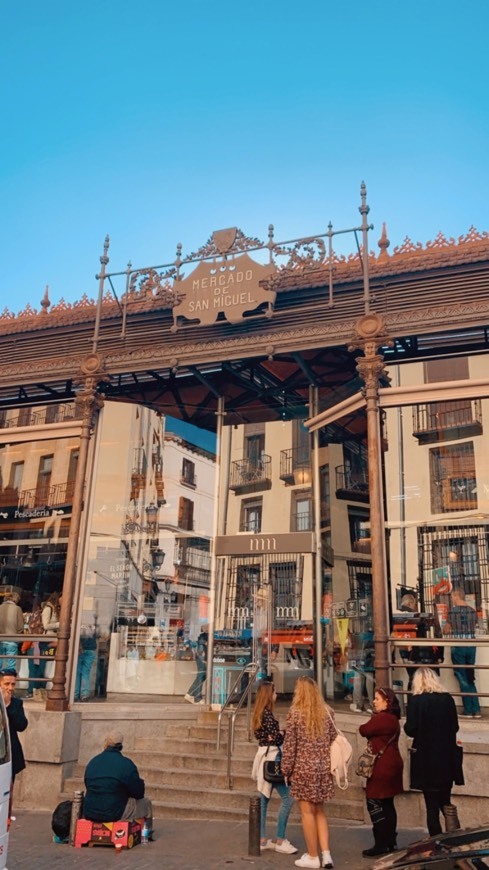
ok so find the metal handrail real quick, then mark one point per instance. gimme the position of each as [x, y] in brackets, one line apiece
[252, 669]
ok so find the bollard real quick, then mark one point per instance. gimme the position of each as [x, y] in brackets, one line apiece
[76, 813]
[451, 818]
[254, 827]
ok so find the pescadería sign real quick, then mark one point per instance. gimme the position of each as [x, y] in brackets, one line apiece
[228, 287]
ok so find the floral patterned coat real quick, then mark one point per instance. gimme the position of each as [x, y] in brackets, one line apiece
[306, 761]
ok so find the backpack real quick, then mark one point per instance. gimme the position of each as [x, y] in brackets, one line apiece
[35, 622]
[61, 820]
[341, 752]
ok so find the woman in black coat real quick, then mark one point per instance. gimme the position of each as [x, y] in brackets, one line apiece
[432, 721]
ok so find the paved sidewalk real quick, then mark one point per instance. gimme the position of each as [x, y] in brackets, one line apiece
[194, 845]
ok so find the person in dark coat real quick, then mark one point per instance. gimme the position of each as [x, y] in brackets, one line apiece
[114, 789]
[382, 732]
[432, 721]
[17, 719]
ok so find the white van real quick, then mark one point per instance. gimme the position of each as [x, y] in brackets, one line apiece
[5, 780]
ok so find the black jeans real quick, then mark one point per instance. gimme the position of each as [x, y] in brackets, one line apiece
[435, 800]
[384, 821]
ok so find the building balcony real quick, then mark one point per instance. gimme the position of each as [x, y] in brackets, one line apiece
[54, 495]
[352, 484]
[441, 421]
[361, 545]
[295, 466]
[250, 526]
[47, 414]
[251, 475]
[302, 522]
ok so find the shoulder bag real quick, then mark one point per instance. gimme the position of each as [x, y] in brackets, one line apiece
[272, 772]
[367, 759]
[341, 752]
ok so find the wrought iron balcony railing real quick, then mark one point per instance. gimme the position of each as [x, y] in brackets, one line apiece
[295, 466]
[251, 474]
[352, 484]
[57, 413]
[447, 420]
[302, 522]
[52, 495]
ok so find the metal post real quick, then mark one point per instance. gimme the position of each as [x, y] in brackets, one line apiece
[213, 580]
[254, 826]
[370, 335]
[91, 402]
[76, 813]
[318, 561]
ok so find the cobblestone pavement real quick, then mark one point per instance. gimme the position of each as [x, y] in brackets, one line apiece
[196, 845]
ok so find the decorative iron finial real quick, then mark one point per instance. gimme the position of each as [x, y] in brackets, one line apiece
[363, 208]
[383, 244]
[104, 259]
[45, 303]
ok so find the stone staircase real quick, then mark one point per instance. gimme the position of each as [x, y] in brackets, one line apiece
[186, 776]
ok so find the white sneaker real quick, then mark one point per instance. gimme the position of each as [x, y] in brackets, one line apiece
[285, 847]
[268, 845]
[355, 709]
[327, 859]
[308, 861]
[189, 698]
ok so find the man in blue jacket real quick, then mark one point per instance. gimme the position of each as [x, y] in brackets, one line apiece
[114, 789]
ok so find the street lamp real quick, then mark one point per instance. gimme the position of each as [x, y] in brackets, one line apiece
[151, 516]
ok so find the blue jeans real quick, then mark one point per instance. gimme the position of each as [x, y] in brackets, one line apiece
[8, 648]
[83, 674]
[35, 671]
[283, 814]
[465, 655]
[196, 687]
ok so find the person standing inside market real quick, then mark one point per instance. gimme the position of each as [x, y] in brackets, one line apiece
[11, 623]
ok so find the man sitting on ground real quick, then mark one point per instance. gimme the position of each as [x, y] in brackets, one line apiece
[114, 789]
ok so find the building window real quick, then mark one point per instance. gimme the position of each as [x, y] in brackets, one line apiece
[188, 473]
[254, 447]
[186, 514]
[302, 515]
[44, 479]
[24, 416]
[286, 580]
[251, 515]
[359, 522]
[324, 495]
[453, 478]
[451, 557]
[360, 577]
[16, 474]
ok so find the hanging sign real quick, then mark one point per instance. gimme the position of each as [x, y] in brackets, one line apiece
[343, 633]
[229, 287]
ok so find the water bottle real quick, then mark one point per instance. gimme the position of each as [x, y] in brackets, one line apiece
[145, 833]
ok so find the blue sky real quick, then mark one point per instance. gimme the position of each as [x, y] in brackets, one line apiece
[159, 122]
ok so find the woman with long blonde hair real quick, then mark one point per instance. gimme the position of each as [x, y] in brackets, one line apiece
[432, 721]
[270, 738]
[306, 764]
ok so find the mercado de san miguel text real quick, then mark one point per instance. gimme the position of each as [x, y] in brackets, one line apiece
[328, 515]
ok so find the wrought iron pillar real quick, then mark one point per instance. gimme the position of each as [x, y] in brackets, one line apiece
[90, 402]
[369, 337]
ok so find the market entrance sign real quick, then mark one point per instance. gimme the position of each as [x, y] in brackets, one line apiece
[231, 288]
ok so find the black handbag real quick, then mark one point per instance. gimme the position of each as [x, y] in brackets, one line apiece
[272, 772]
